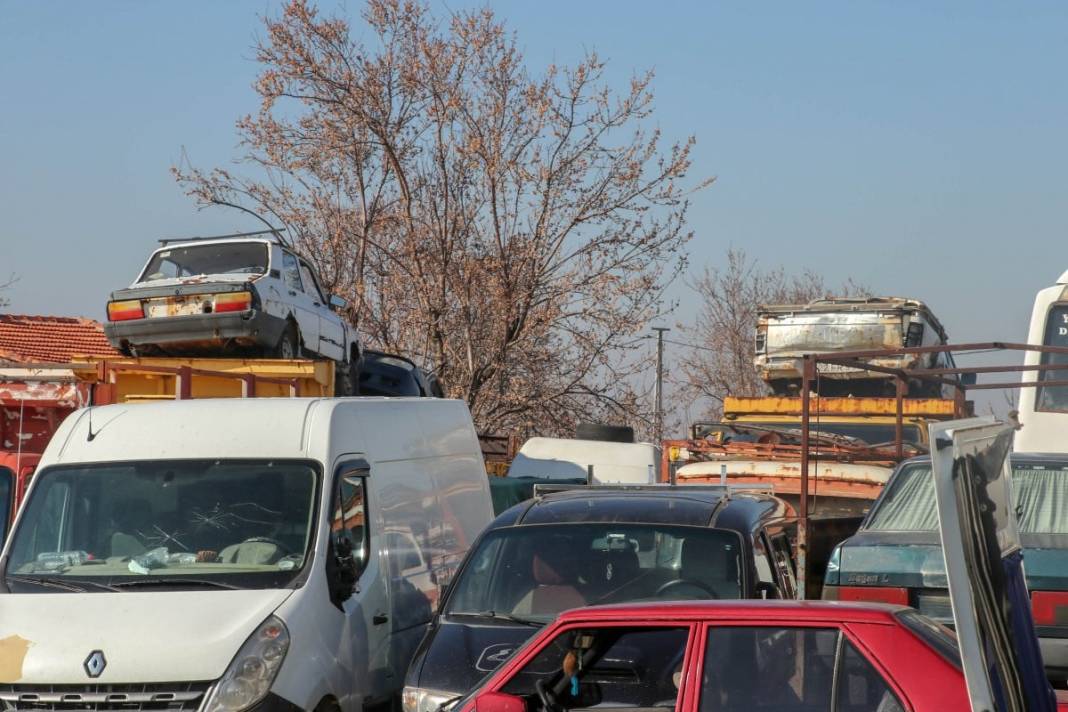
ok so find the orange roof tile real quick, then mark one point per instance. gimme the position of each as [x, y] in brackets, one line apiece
[51, 339]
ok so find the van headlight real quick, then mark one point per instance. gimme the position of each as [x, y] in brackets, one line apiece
[418, 699]
[253, 669]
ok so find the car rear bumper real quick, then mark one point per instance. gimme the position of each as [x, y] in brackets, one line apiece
[251, 328]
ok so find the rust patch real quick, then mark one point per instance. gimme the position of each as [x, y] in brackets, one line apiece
[13, 651]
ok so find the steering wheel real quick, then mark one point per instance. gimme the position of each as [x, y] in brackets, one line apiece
[685, 582]
[548, 700]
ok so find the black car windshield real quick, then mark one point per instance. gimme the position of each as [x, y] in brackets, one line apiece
[244, 523]
[1040, 489]
[535, 572]
[226, 258]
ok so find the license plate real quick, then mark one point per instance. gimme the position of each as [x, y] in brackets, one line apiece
[175, 306]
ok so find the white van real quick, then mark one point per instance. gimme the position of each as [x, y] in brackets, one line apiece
[570, 459]
[227, 555]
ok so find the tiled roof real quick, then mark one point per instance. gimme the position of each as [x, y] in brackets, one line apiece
[51, 339]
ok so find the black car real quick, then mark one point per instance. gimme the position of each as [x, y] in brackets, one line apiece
[579, 546]
[896, 556]
[383, 374]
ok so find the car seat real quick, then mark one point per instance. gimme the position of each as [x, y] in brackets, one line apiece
[551, 593]
[714, 566]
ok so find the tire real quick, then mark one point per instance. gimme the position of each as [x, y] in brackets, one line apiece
[288, 346]
[346, 379]
[606, 433]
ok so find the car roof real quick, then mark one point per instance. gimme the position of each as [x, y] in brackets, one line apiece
[755, 610]
[685, 505]
[1015, 456]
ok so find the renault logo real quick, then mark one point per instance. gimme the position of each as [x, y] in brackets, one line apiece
[94, 664]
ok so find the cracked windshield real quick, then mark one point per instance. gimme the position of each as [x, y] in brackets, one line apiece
[571, 565]
[187, 518]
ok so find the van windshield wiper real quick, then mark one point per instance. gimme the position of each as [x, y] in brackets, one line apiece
[494, 615]
[172, 581]
[62, 584]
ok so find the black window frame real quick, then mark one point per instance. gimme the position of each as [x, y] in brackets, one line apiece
[1046, 358]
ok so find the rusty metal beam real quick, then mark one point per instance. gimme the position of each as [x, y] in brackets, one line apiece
[807, 374]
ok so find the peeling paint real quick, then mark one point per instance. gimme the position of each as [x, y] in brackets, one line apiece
[13, 650]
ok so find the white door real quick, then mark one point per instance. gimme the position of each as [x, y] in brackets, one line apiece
[303, 305]
[331, 333]
[367, 609]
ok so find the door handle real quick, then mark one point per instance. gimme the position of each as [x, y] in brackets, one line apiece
[379, 619]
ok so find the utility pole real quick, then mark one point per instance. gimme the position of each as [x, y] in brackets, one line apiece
[658, 418]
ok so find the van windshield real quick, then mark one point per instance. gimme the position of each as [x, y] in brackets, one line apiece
[1040, 490]
[245, 523]
[535, 572]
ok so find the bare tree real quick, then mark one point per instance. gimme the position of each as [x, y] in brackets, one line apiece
[512, 232]
[720, 362]
[4, 286]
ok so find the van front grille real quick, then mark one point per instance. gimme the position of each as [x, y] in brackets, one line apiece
[148, 697]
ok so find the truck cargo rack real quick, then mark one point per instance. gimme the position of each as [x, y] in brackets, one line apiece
[960, 378]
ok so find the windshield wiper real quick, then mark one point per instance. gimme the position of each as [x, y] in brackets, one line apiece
[54, 582]
[173, 581]
[494, 615]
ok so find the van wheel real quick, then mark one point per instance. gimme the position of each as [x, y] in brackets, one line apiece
[328, 705]
[289, 344]
[346, 379]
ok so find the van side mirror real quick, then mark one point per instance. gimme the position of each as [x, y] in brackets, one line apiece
[344, 571]
[337, 302]
[767, 590]
[499, 702]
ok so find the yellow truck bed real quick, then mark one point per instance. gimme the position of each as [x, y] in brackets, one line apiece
[127, 380]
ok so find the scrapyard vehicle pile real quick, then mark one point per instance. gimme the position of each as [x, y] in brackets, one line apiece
[338, 553]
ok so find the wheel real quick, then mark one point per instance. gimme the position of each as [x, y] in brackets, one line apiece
[346, 379]
[685, 582]
[289, 343]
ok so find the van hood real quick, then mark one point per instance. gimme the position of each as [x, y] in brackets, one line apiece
[158, 636]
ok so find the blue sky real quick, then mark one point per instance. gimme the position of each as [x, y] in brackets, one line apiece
[916, 147]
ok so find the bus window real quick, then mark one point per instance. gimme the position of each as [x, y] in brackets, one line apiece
[1055, 398]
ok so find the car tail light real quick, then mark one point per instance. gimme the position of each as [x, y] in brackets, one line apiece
[233, 302]
[124, 311]
[1049, 607]
[876, 594]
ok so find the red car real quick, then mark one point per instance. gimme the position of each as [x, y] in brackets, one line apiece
[731, 656]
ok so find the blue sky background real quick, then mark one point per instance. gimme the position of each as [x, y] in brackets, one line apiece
[916, 147]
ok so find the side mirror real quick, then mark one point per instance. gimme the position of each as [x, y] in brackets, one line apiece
[499, 702]
[345, 571]
[767, 590]
[337, 302]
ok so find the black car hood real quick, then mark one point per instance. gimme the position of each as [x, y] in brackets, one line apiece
[456, 655]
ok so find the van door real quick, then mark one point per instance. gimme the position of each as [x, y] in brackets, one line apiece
[355, 525]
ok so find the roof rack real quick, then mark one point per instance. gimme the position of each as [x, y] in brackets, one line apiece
[276, 232]
[540, 490]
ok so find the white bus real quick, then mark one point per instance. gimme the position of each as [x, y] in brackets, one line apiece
[1044, 410]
